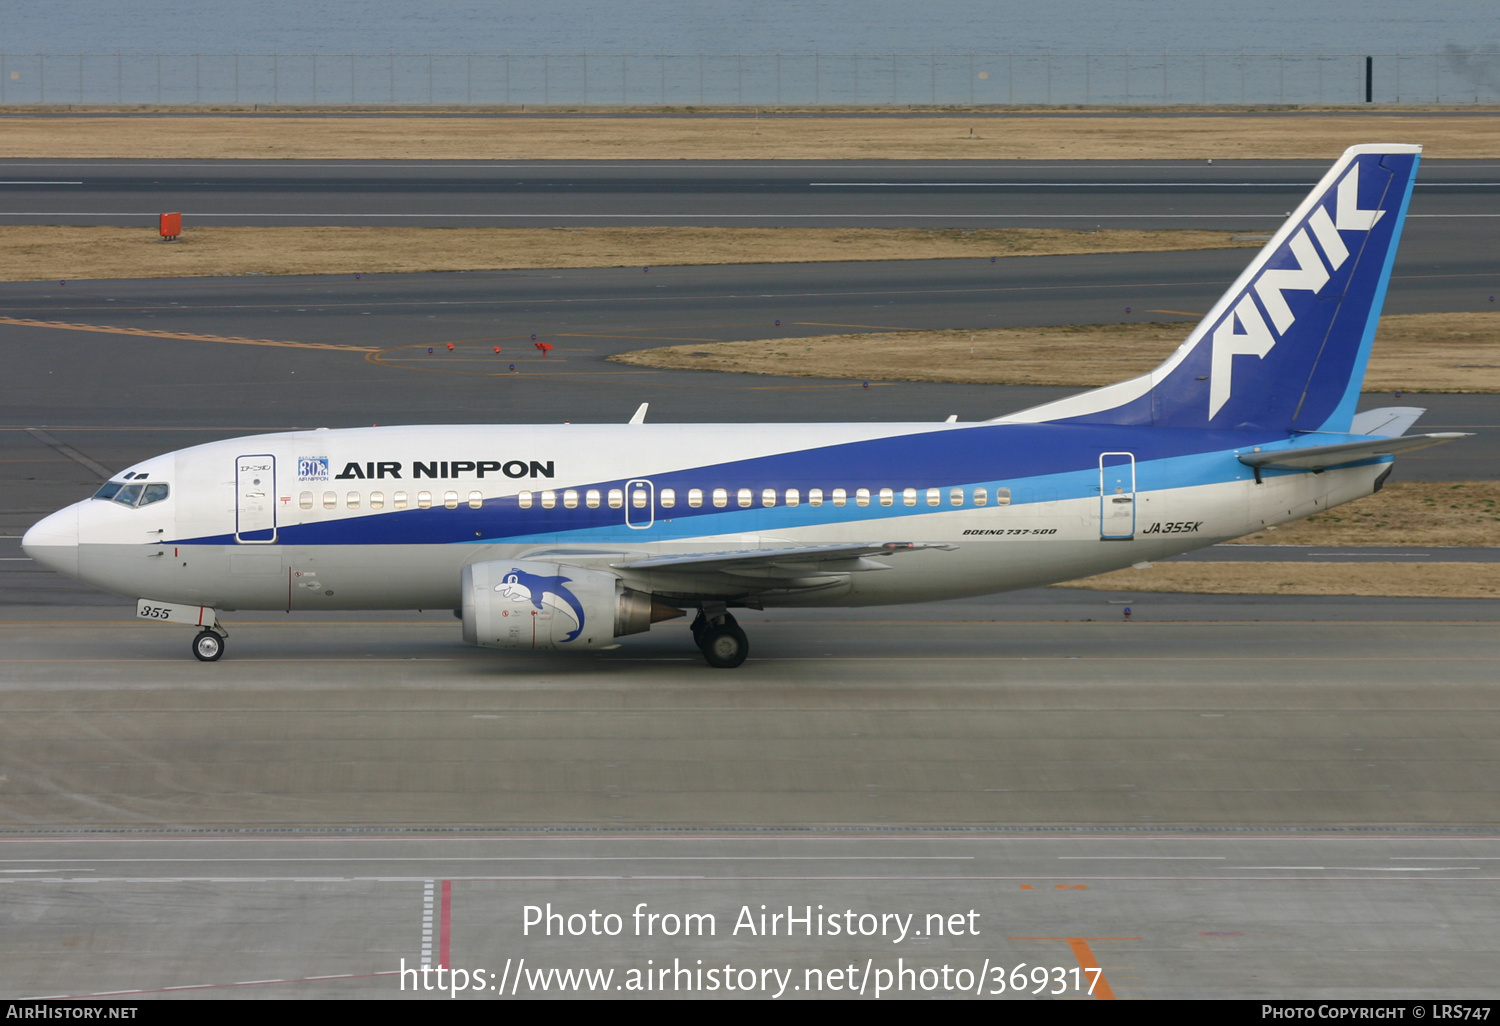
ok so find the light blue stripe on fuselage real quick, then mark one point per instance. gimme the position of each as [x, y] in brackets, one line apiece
[1157, 475]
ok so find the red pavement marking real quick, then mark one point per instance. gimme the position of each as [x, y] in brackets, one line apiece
[447, 915]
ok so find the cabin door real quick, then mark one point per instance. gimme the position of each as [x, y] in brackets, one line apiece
[1116, 496]
[255, 500]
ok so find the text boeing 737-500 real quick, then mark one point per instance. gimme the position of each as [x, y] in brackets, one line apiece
[567, 537]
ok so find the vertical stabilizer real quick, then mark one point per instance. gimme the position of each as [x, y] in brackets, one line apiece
[1285, 348]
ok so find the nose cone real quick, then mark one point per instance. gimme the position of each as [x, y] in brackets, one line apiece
[53, 542]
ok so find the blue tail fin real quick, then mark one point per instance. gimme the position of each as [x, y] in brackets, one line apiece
[1285, 348]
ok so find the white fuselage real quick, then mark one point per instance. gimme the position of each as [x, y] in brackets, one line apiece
[388, 517]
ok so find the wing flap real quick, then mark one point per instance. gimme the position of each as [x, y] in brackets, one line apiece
[792, 561]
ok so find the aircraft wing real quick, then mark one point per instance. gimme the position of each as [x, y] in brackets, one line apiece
[1321, 457]
[790, 562]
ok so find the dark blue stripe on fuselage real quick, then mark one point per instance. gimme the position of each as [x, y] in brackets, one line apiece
[936, 459]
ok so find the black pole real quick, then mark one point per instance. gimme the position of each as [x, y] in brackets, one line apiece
[1369, 79]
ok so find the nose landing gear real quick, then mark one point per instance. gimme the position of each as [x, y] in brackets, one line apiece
[208, 646]
[721, 640]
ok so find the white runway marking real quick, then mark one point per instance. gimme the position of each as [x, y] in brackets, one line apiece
[1107, 185]
[522, 858]
[428, 918]
[1066, 185]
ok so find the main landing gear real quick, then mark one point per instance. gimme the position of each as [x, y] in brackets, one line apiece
[722, 642]
[208, 646]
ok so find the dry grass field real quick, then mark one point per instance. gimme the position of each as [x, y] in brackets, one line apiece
[1402, 513]
[1457, 352]
[1413, 580]
[514, 136]
[40, 252]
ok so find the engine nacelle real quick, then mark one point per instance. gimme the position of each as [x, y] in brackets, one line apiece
[520, 603]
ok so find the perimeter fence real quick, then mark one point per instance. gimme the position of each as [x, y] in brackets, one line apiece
[721, 79]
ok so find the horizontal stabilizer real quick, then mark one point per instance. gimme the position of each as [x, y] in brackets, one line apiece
[1321, 457]
[1387, 422]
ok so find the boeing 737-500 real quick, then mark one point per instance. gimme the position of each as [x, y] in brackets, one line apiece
[570, 536]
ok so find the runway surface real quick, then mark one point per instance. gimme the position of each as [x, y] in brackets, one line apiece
[1301, 917]
[1225, 796]
[1056, 711]
[1023, 193]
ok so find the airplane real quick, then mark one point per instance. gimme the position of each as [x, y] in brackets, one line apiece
[567, 537]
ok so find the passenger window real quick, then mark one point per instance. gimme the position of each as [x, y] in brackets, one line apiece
[887, 497]
[591, 498]
[981, 496]
[839, 497]
[768, 497]
[351, 500]
[1002, 496]
[616, 498]
[450, 500]
[721, 498]
[695, 497]
[523, 499]
[305, 500]
[377, 500]
[570, 499]
[934, 497]
[815, 496]
[476, 500]
[956, 497]
[330, 500]
[638, 498]
[862, 497]
[793, 497]
[424, 500]
[909, 497]
[399, 500]
[549, 499]
[668, 498]
[743, 498]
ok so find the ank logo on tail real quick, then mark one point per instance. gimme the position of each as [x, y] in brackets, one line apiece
[1243, 331]
[520, 586]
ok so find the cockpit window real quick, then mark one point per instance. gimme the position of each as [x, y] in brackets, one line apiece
[127, 495]
[133, 494]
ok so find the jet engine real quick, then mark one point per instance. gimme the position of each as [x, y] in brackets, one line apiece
[519, 603]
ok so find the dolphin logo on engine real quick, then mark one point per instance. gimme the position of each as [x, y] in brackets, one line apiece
[519, 586]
